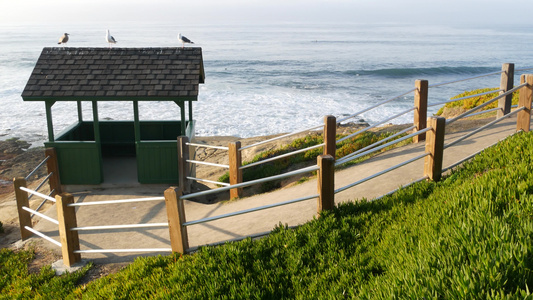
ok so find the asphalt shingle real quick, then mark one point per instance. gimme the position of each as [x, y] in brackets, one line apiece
[116, 74]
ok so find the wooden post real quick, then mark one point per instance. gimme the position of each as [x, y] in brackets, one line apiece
[506, 83]
[22, 200]
[235, 172]
[183, 165]
[179, 240]
[330, 135]
[326, 183]
[53, 167]
[421, 108]
[435, 148]
[523, 118]
[66, 216]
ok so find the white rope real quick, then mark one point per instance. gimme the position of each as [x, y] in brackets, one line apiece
[127, 226]
[207, 163]
[51, 240]
[209, 181]
[374, 106]
[207, 146]
[116, 201]
[124, 250]
[464, 79]
[38, 194]
[40, 215]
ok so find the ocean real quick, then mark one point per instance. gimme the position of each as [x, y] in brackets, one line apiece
[275, 78]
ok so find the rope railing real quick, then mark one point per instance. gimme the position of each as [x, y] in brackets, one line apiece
[483, 127]
[521, 70]
[464, 98]
[343, 161]
[123, 250]
[465, 79]
[198, 162]
[37, 168]
[444, 170]
[375, 125]
[207, 146]
[251, 182]
[124, 226]
[51, 240]
[378, 142]
[484, 112]
[38, 194]
[34, 212]
[208, 181]
[44, 201]
[41, 184]
[402, 187]
[116, 201]
[374, 106]
[281, 137]
[281, 156]
[486, 103]
[381, 173]
[241, 212]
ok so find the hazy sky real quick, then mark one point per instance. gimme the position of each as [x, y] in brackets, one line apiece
[266, 11]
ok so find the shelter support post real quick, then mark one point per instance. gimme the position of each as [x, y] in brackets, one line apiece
[53, 167]
[183, 165]
[49, 122]
[523, 119]
[235, 171]
[435, 148]
[179, 240]
[506, 83]
[421, 109]
[22, 200]
[330, 134]
[326, 183]
[66, 216]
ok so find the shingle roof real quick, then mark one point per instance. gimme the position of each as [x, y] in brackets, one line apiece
[64, 74]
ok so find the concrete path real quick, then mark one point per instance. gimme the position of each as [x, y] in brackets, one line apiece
[252, 223]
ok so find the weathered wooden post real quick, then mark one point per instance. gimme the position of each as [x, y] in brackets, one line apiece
[179, 240]
[523, 118]
[330, 135]
[22, 200]
[183, 165]
[435, 148]
[421, 108]
[66, 216]
[506, 83]
[53, 167]
[326, 182]
[235, 171]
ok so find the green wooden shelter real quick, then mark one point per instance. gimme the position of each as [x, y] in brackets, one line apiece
[117, 74]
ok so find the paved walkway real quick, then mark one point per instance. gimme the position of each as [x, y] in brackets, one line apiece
[252, 223]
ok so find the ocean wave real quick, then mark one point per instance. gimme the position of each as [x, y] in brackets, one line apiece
[409, 72]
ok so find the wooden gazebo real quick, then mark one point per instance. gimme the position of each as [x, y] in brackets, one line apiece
[117, 74]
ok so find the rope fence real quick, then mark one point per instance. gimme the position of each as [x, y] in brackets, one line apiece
[432, 132]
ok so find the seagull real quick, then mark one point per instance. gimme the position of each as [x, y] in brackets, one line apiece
[184, 40]
[110, 39]
[63, 39]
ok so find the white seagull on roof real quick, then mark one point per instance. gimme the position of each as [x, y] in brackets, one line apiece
[64, 39]
[110, 39]
[184, 40]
